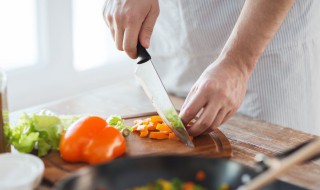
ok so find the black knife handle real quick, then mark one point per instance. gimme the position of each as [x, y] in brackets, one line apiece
[143, 55]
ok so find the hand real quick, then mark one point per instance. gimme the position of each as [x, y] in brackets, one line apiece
[216, 95]
[130, 20]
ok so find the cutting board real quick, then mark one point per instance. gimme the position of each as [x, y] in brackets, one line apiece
[212, 145]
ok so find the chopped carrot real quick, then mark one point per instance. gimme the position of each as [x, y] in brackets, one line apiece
[144, 133]
[146, 121]
[134, 128]
[188, 186]
[156, 119]
[154, 128]
[151, 128]
[138, 121]
[200, 175]
[158, 135]
[141, 127]
[163, 127]
[172, 136]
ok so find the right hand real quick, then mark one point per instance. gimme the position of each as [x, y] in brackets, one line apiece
[130, 21]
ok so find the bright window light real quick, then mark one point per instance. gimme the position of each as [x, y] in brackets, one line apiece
[18, 33]
[92, 41]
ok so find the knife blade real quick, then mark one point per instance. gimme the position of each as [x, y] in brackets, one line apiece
[156, 92]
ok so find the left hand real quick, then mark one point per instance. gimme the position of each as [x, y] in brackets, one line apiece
[216, 95]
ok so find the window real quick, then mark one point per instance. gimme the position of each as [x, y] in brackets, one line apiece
[55, 49]
[18, 42]
[92, 42]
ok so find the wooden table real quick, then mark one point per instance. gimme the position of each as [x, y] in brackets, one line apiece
[248, 136]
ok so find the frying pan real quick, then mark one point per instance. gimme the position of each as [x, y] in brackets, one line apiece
[126, 173]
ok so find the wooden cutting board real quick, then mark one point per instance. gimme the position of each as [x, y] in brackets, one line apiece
[212, 145]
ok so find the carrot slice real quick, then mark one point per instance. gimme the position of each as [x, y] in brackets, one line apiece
[156, 118]
[188, 186]
[163, 127]
[200, 175]
[151, 128]
[158, 135]
[144, 133]
[172, 136]
[134, 128]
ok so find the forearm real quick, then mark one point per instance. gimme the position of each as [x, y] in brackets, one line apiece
[257, 24]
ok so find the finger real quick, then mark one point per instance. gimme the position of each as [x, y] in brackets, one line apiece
[228, 115]
[130, 40]
[119, 38]
[219, 119]
[192, 108]
[191, 94]
[107, 17]
[112, 33]
[147, 26]
[205, 120]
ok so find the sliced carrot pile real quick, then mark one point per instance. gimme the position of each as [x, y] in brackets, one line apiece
[154, 128]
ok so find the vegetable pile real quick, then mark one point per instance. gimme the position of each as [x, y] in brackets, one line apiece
[91, 139]
[41, 131]
[154, 128]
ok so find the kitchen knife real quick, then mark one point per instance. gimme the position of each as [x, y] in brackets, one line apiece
[153, 87]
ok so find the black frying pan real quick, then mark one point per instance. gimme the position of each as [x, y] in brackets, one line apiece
[125, 173]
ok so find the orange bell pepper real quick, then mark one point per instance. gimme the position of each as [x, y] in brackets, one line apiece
[91, 140]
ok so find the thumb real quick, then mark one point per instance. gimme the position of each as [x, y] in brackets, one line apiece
[147, 27]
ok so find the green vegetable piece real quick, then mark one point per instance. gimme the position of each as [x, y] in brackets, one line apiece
[176, 184]
[43, 147]
[174, 118]
[117, 122]
[114, 120]
[157, 186]
[26, 142]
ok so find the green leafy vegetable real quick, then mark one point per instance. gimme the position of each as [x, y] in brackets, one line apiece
[41, 131]
[117, 122]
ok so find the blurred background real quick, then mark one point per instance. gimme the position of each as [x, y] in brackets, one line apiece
[52, 49]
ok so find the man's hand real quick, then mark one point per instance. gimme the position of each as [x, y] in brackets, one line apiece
[130, 20]
[218, 93]
[220, 90]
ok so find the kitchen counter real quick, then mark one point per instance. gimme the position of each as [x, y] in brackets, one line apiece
[248, 136]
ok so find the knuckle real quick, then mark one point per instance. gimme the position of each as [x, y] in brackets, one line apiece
[222, 94]
[188, 113]
[119, 47]
[130, 17]
[147, 30]
[204, 124]
[117, 16]
[208, 86]
[130, 50]
[156, 11]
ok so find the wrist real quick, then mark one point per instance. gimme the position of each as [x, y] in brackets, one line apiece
[241, 57]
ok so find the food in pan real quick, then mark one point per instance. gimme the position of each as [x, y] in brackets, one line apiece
[177, 184]
[174, 184]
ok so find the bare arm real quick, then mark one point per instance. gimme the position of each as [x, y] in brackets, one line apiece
[221, 88]
[257, 24]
